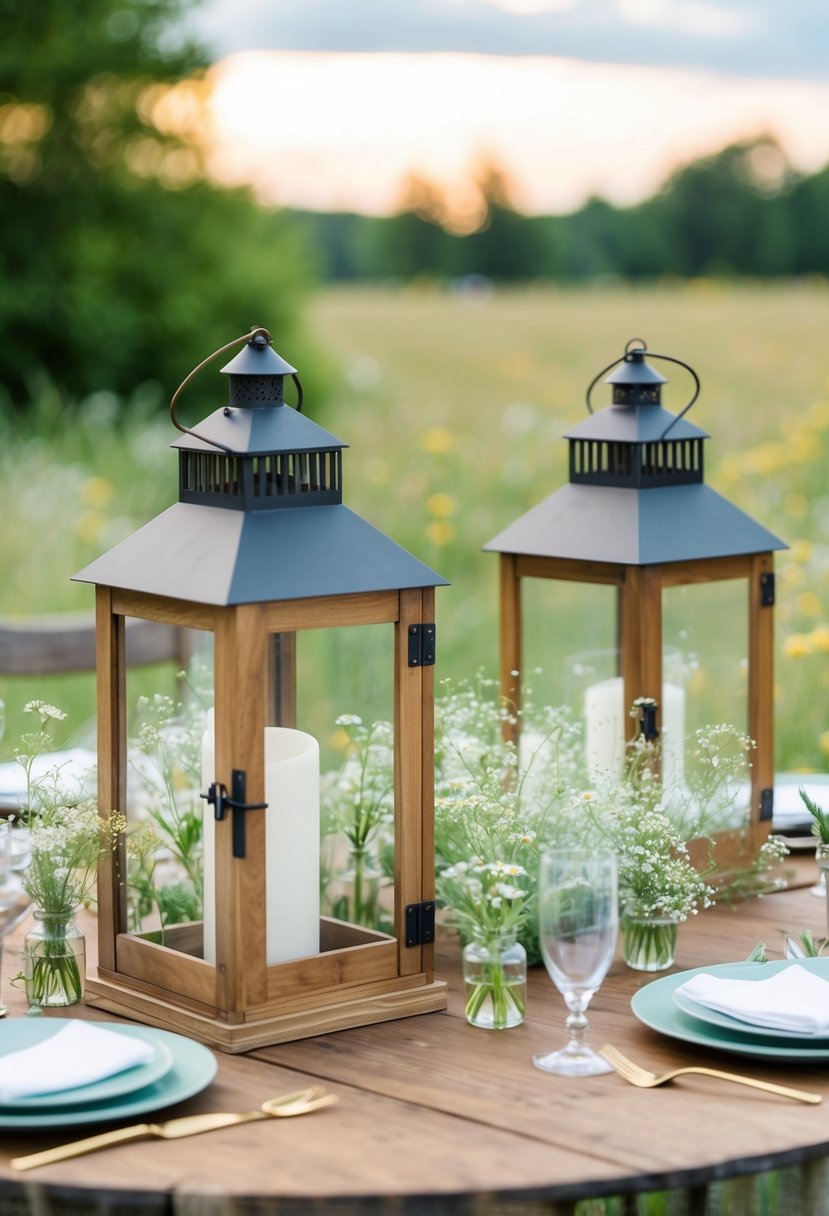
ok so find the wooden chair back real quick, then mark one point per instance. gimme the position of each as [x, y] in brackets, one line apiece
[64, 644]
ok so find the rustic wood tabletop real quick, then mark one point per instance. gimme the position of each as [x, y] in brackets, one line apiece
[437, 1117]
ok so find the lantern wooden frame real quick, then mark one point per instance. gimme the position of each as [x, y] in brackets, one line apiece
[360, 976]
[639, 626]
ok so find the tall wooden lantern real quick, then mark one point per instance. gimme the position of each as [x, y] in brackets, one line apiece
[260, 549]
[637, 517]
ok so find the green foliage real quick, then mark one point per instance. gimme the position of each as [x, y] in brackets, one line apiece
[119, 264]
[820, 818]
[743, 211]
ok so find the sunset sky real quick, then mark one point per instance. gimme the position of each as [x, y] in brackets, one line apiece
[329, 104]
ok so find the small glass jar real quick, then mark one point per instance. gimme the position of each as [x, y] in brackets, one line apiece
[495, 977]
[648, 942]
[54, 960]
[822, 859]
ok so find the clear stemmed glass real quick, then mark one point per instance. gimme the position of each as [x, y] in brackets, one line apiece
[14, 900]
[578, 915]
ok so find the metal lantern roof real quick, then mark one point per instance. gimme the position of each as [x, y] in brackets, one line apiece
[634, 527]
[260, 516]
[636, 494]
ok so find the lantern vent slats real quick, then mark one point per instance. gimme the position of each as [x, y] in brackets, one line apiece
[639, 465]
[256, 390]
[262, 481]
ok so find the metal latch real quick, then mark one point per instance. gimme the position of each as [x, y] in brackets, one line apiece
[767, 589]
[218, 798]
[766, 805]
[420, 923]
[421, 645]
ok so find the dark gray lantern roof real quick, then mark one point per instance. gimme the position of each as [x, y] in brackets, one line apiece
[634, 527]
[213, 556]
[260, 515]
[636, 494]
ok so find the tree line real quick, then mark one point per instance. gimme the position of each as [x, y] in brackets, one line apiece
[121, 265]
[742, 212]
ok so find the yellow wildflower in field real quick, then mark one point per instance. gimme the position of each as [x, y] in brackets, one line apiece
[823, 741]
[808, 603]
[819, 638]
[89, 527]
[440, 532]
[804, 445]
[339, 739]
[792, 575]
[802, 550]
[441, 505]
[797, 646]
[796, 506]
[769, 457]
[97, 492]
[819, 414]
[437, 441]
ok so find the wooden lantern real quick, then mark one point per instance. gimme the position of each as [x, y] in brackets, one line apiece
[259, 548]
[636, 516]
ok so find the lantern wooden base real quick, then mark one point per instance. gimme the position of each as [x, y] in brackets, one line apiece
[353, 981]
[338, 1012]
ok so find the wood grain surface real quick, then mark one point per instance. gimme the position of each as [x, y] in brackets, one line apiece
[437, 1117]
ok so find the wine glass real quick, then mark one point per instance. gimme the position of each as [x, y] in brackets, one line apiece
[578, 914]
[14, 900]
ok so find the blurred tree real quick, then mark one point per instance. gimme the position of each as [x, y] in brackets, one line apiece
[505, 245]
[120, 264]
[412, 241]
[728, 214]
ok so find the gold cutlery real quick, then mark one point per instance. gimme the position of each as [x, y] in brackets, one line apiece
[647, 1080]
[302, 1102]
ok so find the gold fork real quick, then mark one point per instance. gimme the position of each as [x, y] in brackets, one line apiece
[647, 1080]
[285, 1107]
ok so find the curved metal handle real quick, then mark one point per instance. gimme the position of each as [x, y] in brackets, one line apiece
[298, 406]
[248, 337]
[643, 346]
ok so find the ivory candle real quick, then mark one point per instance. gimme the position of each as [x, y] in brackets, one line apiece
[604, 734]
[292, 844]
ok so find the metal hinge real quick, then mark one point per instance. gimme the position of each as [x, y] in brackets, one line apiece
[766, 805]
[421, 645]
[767, 589]
[420, 923]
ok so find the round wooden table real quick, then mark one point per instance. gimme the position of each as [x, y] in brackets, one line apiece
[436, 1117]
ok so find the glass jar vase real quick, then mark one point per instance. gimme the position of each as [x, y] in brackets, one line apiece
[54, 960]
[495, 978]
[822, 859]
[648, 942]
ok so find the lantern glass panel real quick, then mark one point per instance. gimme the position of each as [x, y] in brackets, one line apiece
[563, 623]
[345, 680]
[705, 645]
[164, 778]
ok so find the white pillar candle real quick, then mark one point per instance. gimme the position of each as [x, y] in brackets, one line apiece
[292, 844]
[604, 730]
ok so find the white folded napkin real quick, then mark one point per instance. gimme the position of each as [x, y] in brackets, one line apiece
[791, 999]
[78, 1054]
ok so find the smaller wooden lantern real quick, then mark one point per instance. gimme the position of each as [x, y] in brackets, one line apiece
[259, 548]
[637, 516]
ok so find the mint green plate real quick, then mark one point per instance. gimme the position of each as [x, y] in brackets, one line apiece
[193, 1068]
[654, 1005]
[19, 1033]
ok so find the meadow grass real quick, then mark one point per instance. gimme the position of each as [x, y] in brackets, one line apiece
[454, 406]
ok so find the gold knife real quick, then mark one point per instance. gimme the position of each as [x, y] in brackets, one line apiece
[300, 1103]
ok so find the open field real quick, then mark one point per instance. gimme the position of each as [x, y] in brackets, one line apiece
[454, 406]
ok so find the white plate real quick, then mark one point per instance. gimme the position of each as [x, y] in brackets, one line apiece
[19, 1033]
[194, 1067]
[654, 1005]
[716, 1018]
